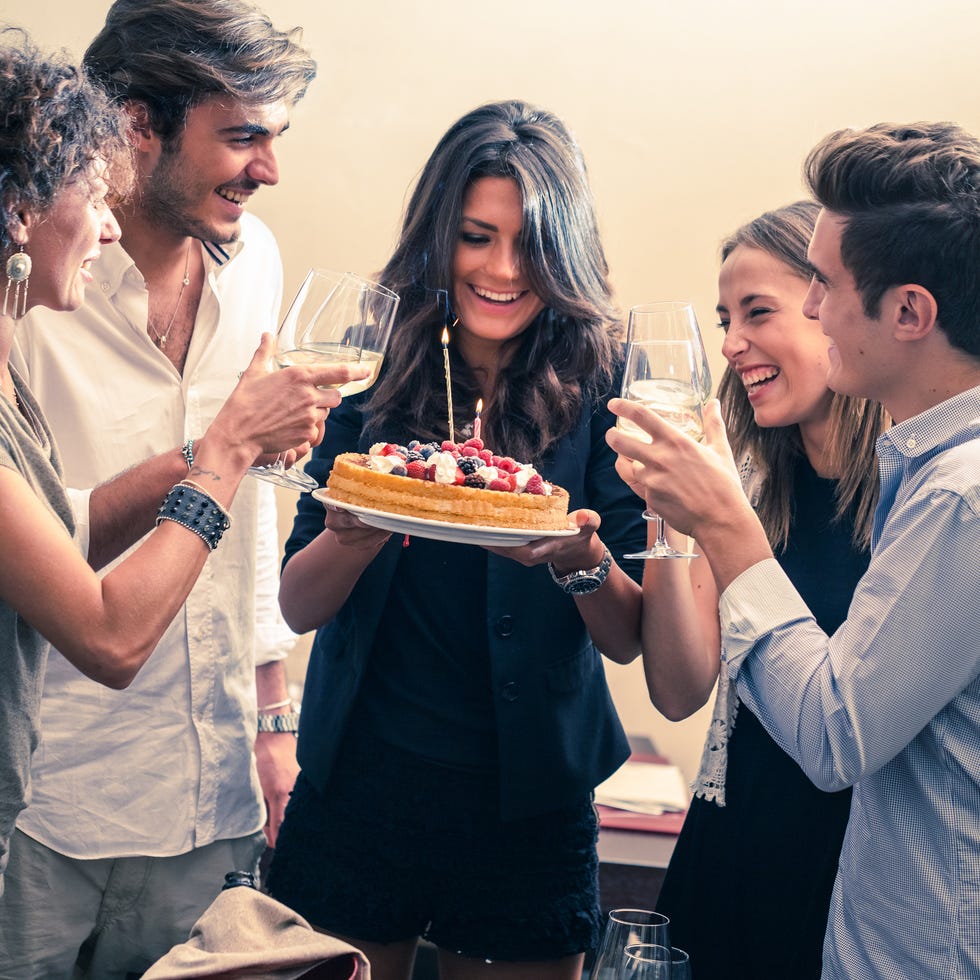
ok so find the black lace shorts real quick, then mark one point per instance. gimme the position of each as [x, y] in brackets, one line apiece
[398, 847]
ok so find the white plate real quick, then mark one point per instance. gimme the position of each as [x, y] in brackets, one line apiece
[497, 537]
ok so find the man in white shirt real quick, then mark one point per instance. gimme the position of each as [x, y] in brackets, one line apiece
[143, 799]
[890, 704]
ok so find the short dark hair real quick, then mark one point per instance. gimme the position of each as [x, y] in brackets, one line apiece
[910, 197]
[56, 125]
[173, 54]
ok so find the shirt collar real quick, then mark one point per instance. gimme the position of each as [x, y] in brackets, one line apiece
[940, 427]
[115, 263]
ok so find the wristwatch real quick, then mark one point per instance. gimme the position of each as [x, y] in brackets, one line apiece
[288, 721]
[585, 580]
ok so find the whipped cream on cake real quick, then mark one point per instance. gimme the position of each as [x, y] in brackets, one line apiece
[456, 482]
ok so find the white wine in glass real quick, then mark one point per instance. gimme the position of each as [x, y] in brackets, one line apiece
[328, 353]
[665, 376]
[335, 318]
[674, 401]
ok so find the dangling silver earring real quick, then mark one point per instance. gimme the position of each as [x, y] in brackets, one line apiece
[18, 276]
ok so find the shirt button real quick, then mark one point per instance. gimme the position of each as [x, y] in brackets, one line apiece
[504, 626]
[510, 691]
[910, 442]
[106, 287]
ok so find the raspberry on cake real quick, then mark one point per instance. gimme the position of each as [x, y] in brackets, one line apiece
[458, 483]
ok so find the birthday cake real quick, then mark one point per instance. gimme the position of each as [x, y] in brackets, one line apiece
[459, 483]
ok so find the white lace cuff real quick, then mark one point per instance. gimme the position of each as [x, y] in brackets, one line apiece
[710, 781]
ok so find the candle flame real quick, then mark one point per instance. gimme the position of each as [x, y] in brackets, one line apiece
[479, 406]
[445, 336]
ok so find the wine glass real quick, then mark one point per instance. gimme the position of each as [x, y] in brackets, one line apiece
[647, 961]
[623, 928]
[335, 318]
[663, 375]
[671, 320]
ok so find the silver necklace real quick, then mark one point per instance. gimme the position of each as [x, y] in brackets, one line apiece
[160, 339]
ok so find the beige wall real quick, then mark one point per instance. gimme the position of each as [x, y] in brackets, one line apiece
[693, 116]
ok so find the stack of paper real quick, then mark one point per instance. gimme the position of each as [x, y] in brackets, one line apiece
[644, 787]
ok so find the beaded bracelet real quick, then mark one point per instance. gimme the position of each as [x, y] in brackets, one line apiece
[190, 505]
[187, 451]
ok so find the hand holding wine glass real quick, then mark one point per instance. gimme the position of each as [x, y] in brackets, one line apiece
[667, 371]
[335, 318]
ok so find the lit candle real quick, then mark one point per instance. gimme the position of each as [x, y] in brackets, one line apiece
[449, 384]
[476, 421]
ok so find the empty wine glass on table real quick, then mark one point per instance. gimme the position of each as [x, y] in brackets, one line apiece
[335, 318]
[626, 927]
[646, 961]
[667, 371]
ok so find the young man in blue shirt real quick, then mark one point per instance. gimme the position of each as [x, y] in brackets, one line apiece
[890, 704]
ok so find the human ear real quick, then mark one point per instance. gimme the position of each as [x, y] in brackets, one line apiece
[19, 224]
[915, 312]
[140, 128]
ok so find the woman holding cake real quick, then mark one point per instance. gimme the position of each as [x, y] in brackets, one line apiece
[456, 717]
[757, 826]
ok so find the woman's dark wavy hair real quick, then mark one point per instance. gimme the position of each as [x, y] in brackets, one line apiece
[855, 423]
[54, 126]
[568, 352]
[173, 54]
[910, 195]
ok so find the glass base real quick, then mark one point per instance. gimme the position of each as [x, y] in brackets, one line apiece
[666, 552]
[291, 479]
[660, 549]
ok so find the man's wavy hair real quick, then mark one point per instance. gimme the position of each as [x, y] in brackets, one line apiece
[173, 54]
[910, 195]
[56, 127]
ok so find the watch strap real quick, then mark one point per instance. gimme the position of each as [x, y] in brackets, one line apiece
[584, 581]
[287, 721]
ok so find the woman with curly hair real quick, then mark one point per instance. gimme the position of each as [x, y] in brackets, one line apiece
[64, 153]
[456, 717]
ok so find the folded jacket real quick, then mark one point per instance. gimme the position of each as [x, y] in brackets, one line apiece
[244, 933]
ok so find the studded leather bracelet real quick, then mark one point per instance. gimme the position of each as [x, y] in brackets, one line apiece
[191, 506]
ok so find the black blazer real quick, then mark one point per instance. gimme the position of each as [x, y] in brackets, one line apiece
[557, 730]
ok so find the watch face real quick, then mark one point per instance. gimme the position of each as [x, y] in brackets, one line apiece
[583, 585]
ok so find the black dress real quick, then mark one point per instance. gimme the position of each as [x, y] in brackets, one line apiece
[749, 884]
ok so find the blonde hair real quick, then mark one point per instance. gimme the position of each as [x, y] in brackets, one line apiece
[855, 423]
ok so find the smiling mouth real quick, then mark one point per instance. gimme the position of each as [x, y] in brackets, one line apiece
[492, 297]
[236, 197]
[755, 379]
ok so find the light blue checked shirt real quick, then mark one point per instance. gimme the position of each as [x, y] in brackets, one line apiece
[891, 705]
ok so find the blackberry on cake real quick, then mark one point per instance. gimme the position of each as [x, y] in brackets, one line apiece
[459, 483]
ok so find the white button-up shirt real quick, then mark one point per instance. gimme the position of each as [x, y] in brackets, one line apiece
[166, 765]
